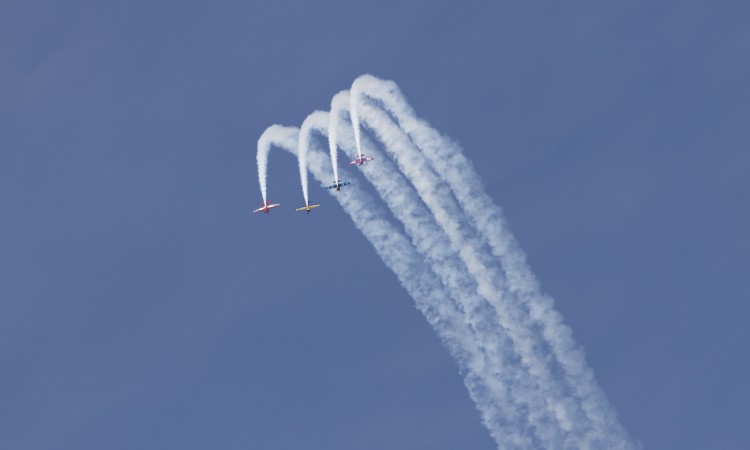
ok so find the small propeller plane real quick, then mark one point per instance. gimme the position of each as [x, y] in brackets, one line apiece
[307, 208]
[338, 185]
[266, 208]
[361, 160]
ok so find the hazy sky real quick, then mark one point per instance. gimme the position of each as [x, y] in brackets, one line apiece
[143, 306]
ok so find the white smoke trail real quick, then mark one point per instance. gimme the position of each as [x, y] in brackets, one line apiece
[355, 124]
[586, 416]
[434, 193]
[338, 104]
[304, 143]
[497, 406]
[490, 282]
[397, 193]
[527, 409]
[261, 159]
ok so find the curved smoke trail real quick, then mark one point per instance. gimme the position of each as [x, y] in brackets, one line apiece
[282, 139]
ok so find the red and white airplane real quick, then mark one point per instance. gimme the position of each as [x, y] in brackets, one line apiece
[361, 160]
[266, 208]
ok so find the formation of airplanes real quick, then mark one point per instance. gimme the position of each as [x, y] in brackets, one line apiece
[337, 184]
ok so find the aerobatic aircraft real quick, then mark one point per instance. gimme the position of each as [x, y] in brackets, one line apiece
[266, 208]
[361, 160]
[307, 208]
[338, 185]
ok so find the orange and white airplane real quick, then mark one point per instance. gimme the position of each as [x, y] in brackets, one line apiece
[361, 160]
[266, 208]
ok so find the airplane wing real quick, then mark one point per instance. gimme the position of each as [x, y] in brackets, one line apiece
[307, 208]
[361, 160]
[339, 186]
[266, 208]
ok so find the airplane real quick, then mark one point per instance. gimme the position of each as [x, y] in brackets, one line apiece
[266, 208]
[361, 160]
[338, 185]
[307, 208]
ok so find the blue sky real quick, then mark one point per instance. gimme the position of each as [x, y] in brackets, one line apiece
[142, 306]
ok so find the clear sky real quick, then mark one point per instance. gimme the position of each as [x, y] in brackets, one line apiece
[143, 306]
